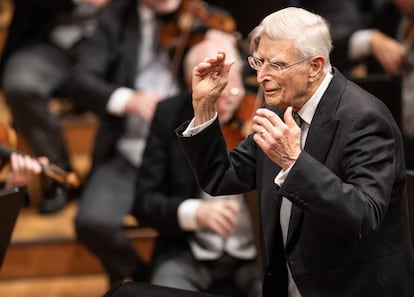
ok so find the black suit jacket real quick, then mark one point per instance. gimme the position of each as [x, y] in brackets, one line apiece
[348, 233]
[32, 22]
[165, 178]
[105, 62]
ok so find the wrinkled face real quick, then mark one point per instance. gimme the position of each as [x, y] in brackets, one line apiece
[405, 6]
[286, 87]
[231, 96]
[162, 6]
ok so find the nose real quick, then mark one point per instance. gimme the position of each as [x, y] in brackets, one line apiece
[262, 74]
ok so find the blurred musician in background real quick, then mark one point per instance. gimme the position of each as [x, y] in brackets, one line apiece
[121, 73]
[386, 46]
[201, 240]
[34, 67]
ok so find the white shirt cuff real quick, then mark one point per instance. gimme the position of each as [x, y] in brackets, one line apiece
[186, 214]
[191, 130]
[117, 101]
[359, 44]
[280, 178]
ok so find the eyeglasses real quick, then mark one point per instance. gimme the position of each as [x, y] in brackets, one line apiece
[257, 64]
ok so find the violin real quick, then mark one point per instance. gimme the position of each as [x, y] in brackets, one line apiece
[239, 127]
[192, 20]
[188, 27]
[8, 140]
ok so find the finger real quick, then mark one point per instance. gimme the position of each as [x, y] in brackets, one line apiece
[14, 162]
[43, 160]
[232, 207]
[18, 163]
[34, 165]
[288, 117]
[229, 216]
[273, 120]
[216, 63]
[267, 122]
[224, 226]
[28, 166]
[257, 128]
[219, 58]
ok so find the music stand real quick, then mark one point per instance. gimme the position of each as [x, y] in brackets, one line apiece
[11, 201]
[139, 289]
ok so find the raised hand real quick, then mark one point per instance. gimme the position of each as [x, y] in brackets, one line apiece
[210, 77]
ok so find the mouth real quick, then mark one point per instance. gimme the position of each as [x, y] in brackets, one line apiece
[271, 92]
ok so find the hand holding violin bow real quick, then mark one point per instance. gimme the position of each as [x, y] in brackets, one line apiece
[19, 169]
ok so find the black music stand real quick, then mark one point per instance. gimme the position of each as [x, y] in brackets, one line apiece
[138, 289]
[11, 201]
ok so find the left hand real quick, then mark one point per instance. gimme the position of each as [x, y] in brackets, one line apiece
[279, 140]
[23, 170]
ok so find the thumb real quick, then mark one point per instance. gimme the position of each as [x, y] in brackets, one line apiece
[288, 117]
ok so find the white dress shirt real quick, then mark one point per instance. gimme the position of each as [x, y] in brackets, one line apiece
[306, 113]
[207, 245]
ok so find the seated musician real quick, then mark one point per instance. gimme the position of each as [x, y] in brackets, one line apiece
[202, 241]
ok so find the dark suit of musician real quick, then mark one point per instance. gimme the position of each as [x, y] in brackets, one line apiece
[165, 182]
[155, 206]
[353, 243]
[107, 61]
[114, 46]
[32, 69]
[32, 22]
[123, 62]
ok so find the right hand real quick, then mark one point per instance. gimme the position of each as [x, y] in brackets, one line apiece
[143, 104]
[210, 77]
[218, 215]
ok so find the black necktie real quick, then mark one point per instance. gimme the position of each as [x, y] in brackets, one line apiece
[299, 121]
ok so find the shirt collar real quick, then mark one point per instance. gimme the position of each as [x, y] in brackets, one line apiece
[308, 109]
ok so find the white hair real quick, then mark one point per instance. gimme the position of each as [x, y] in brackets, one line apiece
[309, 31]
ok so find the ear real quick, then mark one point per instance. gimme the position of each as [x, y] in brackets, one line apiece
[317, 64]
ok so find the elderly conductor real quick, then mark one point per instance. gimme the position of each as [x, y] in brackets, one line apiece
[326, 159]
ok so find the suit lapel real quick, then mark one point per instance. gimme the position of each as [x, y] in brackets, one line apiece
[321, 133]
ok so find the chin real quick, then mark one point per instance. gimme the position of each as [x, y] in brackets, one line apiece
[274, 101]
